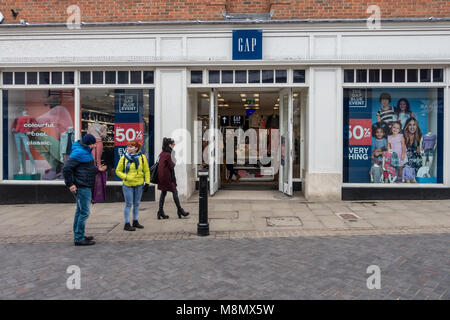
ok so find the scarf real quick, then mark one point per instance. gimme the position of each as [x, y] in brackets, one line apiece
[132, 158]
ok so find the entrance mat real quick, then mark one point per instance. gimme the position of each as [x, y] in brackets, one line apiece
[284, 222]
[223, 214]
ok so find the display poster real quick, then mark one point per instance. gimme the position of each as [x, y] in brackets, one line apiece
[393, 135]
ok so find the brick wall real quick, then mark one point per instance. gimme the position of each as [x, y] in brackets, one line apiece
[34, 11]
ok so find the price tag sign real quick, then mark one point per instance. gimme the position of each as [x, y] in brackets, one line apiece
[126, 132]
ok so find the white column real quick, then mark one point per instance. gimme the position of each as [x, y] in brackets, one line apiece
[323, 178]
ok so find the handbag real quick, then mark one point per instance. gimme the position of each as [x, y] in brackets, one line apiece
[154, 172]
[99, 190]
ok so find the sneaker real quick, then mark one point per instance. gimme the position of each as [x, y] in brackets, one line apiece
[85, 242]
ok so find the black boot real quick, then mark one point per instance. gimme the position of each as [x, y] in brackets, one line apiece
[181, 212]
[136, 224]
[128, 227]
[161, 215]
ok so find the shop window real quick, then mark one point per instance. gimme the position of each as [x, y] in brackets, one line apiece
[361, 75]
[148, 77]
[214, 76]
[19, 78]
[39, 124]
[267, 76]
[386, 75]
[69, 77]
[114, 117]
[425, 75]
[110, 77]
[136, 77]
[349, 76]
[123, 77]
[196, 76]
[281, 76]
[31, 77]
[374, 75]
[240, 76]
[85, 77]
[44, 78]
[97, 77]
[227, 76]
[438, 75]
[393, 135]
[254, 76]
[56, 77]
[299, 76]
[399, 75]
[413, 75]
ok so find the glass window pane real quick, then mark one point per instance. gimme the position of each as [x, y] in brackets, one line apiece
[281, 76]
[349, 76]
[19, 78]
[378, 122]
[97, 77]
[85, 77]
[44, 78]
[31, 77]
[214, 76]
[148, 77]
[136, 77]
[40, 123]
[386, 75]
[69, 77]
[361, 75]
[56, 77]
[7, 78]
[196, 76]
[413, 75]
[240, 76]
[438, 75]
[110, 77]
[227, 76]
[254, 76]
[106, 111]
[267, 76]
[399, 75]
[299, 76]
[374, 75]
[425, 75]
[123, 77]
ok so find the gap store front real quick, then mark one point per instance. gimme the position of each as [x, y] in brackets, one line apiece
[354, 120]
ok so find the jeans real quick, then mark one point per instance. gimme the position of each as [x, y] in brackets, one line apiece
[132, 197]
[83, 197]
[175, 199]
[22, 137]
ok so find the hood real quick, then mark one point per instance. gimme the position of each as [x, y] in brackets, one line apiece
[81, 152]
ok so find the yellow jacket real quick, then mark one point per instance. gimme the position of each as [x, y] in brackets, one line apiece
[133, 177]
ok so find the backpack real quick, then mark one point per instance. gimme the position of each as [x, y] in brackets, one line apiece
[154, 172]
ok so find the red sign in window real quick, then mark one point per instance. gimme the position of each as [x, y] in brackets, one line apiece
[360, 132]
[125, 132]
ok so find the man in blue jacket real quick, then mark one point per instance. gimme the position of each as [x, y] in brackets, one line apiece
[79, 176]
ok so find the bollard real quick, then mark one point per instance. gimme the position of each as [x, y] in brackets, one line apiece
[203, 225]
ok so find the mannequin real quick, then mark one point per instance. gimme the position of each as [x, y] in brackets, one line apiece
[99, 131]
[66, 140]
[20, 129]
[428, 146]
[376, 173]
[389, 173]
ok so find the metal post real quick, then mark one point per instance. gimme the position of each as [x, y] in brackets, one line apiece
[203, 225]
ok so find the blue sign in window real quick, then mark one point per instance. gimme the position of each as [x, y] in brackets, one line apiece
[247, 44]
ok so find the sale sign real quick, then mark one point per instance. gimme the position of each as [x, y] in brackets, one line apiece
[360, 132]
[126, 132]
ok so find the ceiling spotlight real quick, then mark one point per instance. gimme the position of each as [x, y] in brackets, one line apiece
[219, 95]
[277, 105]
[221, 99]
[257, 99]
[295, 94]
[204, 95]
[243, 99]
[243, 95]
[256, 94]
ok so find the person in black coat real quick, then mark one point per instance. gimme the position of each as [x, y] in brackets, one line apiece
[166, 179]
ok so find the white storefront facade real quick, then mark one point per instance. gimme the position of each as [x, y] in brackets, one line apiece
[340, 69]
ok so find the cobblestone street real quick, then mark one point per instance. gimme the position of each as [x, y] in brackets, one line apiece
[412, 267]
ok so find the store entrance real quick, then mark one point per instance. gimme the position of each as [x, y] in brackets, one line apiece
[250, 139]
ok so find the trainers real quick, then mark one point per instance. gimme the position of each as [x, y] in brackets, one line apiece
[85, 242]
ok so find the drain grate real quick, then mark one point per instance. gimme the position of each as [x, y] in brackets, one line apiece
[351, 217]
[284, 222]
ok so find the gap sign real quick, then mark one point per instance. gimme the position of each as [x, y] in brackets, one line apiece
[247, 44]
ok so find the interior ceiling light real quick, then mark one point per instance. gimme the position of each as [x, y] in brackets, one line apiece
[204, 95]
[257, 99]
[256, 94]
[243, 95]
[219, 95]
[278, 99]
[277, 105]
[295, 94]
[243, 99]
[221, 99]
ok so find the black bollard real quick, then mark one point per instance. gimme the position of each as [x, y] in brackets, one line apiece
[203, 225]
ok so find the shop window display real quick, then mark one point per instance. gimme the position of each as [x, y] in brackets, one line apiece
[393, 135]
[114, 117]
[40, 126]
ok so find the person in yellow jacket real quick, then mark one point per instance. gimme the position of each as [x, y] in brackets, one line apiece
[134, 171]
